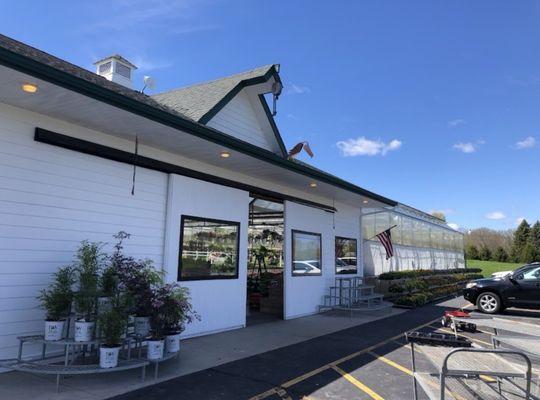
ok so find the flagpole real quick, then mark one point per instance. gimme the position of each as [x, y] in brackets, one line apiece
[373, 237]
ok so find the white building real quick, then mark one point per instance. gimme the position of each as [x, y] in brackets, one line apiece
[212, 171]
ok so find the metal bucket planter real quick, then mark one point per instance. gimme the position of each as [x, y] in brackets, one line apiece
[155, 349]
[172, 343]
[108, 356]
[84, 331]
[142, 326]
[54, 330]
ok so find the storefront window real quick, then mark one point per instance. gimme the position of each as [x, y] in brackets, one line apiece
[208, 249]
[306, 254]
[346, 256]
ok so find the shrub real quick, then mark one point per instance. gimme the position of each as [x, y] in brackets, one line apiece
[56, 300]
[388, 276]
[88, 267]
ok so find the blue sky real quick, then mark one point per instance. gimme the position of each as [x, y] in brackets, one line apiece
[432, 103]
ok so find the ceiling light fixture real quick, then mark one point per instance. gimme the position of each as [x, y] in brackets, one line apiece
[365, 201]
[313, 184]
[29, 88]
[225, 154]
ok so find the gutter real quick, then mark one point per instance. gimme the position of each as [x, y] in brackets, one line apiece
[68, 81]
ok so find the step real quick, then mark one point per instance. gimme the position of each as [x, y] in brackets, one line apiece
[359, 287]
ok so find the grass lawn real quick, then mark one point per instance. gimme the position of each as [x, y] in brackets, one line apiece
[489, 267]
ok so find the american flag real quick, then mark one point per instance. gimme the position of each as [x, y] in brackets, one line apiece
[386, 240]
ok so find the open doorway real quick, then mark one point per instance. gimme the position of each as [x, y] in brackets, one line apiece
[265, 261]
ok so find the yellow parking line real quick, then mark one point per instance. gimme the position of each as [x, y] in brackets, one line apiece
[391, 363]
[357, 383]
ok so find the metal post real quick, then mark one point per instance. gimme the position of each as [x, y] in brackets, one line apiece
[415, 390]
[20, 350]
[156, 370]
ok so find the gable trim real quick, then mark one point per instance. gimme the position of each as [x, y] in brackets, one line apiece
[273, 125]
[272, 72]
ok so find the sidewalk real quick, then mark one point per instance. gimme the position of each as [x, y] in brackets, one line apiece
[196, 354]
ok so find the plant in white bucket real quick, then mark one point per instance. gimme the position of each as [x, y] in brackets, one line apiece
[56, 301]
[139, 278]
[112, 323]
[88, 266]
[172, 310]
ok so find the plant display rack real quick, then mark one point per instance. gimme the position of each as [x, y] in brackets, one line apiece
[350, 294]
[80, 358]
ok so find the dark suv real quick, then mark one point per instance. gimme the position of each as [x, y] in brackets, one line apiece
[520, 288]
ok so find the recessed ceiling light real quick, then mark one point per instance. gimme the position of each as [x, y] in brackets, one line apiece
[29, 88]
[225, 154]
[313, 184]
[365, 201]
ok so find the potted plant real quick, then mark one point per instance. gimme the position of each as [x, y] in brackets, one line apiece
[172, 311]
[138, 278]
[56, 300]
[88, 266]
[113, 323]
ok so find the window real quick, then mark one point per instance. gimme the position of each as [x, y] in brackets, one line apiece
[306, 254]
[208, 249]
[346, 256]
[531, 274]
[105, 68]
[123, 70]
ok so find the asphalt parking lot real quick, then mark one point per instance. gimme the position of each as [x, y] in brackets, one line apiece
[370, 361]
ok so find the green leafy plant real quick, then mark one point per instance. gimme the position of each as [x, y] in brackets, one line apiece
[88, 265]
[113, 321]
[56, 300]
[388, 276]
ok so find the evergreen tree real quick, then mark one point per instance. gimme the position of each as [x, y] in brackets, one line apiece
[500, 254]
[528, 254]
[485, 253]
[472, 253]
[521, 238]
[535, 239]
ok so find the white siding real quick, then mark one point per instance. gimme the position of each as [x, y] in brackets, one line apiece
[221, 302]
[238, 119]
[303, 294]
[50, 200]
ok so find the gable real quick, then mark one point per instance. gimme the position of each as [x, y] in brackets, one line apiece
[247, 118]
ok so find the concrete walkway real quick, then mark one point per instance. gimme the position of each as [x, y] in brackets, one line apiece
[197, 354]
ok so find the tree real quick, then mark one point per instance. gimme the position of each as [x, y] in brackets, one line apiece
[485, 253]
[500, 254]
[472, 252]
[439, 214]
[528, 254]
[521, 238]
[535, 238]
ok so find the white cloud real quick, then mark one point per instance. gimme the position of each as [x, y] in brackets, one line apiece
[496, 215]
[467, 147]
[456, 122]
[526, 143]
[145, 65]
[366, 147]
[293, 117]
[453, 226]
[296, 89]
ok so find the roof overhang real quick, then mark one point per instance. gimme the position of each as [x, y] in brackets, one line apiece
[69, 98]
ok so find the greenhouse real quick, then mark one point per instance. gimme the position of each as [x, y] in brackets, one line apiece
[420, 241]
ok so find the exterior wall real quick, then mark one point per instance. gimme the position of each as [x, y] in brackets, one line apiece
[406, 258]
[238, 119]
[50, 200]
[220, 302]
[303, 294]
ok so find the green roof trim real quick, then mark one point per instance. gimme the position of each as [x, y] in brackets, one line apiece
[28, 65]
